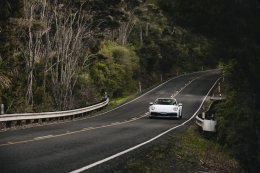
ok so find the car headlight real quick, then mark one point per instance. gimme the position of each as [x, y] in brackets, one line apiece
[152, 107]
[175, 109]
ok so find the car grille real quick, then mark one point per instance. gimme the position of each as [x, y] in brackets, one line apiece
[164, 114]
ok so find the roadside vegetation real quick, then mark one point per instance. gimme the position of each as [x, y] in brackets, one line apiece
[62, 54]
[189, 151]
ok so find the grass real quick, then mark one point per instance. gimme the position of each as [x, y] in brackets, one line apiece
[118, 101]
[187, 152]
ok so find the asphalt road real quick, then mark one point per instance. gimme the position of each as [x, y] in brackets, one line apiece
[69, 146]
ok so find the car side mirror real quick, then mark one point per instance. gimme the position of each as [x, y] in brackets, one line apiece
[180, 104]
[151, 103]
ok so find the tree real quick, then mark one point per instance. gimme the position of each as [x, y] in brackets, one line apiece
[8, 43]
[54, 36]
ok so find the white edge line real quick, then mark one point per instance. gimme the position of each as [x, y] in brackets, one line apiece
[144, 143]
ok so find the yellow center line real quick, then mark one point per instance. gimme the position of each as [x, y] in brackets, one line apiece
[186, 85]
[74, 132]
[91, 128]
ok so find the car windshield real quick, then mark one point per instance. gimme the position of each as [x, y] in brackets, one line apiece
[165, 102]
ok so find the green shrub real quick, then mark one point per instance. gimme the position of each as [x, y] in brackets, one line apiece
[118, 74]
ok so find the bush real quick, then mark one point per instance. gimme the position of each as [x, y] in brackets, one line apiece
[118, 74]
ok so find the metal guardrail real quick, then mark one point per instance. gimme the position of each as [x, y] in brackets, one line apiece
[206, 125]
[43, 115]
[199, 121]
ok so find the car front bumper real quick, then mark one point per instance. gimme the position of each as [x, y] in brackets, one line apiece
[162, 114]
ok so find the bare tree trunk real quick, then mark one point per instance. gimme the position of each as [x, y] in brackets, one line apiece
[141, 36]
[126, 28]
[53, 37]
[146, 29]
[35, 51]
[68, 43]
[30, 57]
[124, 31]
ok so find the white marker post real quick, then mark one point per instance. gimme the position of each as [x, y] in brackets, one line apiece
[203, 115]
[140, 87]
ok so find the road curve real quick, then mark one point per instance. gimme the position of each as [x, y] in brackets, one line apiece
[70, 146]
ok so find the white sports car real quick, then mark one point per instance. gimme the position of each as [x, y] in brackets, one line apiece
[166, 107]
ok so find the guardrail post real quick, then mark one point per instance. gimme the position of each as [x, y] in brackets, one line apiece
[8, 124]
[19, 122]
[2, 109]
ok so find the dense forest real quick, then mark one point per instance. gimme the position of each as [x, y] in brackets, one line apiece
[58, 55]
[234, 28]
[61, 54]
